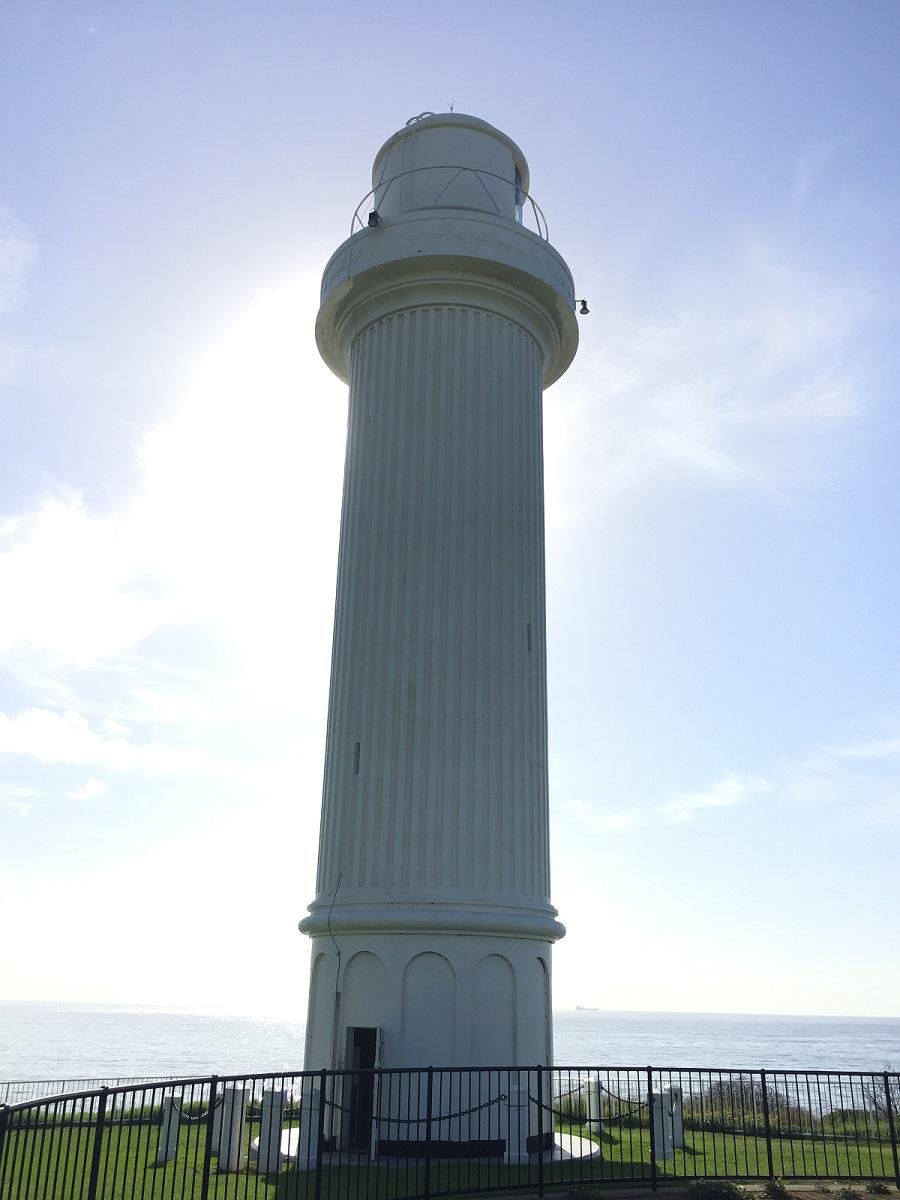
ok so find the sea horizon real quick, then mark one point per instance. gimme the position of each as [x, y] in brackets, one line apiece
[67, 1040]
[207, 1010]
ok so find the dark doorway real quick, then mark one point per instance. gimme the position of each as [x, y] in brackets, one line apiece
[362, 1046]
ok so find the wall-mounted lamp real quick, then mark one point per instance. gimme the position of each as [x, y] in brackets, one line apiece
[373, 218]
[584, 310]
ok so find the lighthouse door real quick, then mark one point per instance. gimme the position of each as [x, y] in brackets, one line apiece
[362, 1052]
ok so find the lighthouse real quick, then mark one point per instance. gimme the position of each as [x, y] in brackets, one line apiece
[432, 924]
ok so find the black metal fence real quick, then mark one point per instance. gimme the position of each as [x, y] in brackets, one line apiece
[12, 1091]
[393, 1134]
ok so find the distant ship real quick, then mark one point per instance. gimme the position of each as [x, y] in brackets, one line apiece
[585, 1008]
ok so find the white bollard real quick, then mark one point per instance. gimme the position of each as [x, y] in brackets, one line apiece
[593, 1092]
[168, 1132]
[234, 1109]
[308, 1142]
[660, 1115]
[216, 1136]
[271, 1121]
[517, 1120]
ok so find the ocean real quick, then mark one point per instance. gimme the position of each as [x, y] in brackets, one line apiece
[74, 1041]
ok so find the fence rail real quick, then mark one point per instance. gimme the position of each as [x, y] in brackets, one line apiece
[404, 1134]
[14, 1091]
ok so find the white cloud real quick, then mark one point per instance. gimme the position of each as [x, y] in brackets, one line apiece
[615, 822]
[201, 600]
[858, 782]
[8, 792]
[91, 789]
[17, 798]
[729, 792]
[51, 737]
[754, 370]
[586, 816]
[812, 163]
[875, 750]
[18, 250]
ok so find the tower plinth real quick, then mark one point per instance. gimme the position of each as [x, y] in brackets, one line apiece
[432, 922]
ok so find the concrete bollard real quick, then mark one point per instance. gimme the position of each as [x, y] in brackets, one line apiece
[594, 1096]
[234, 1110]
[660, 1115]
[308, 1142]
[216, 1135]
[271, 1121]
[168, 1132]
[518, 1123]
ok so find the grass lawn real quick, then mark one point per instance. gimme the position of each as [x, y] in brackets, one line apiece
[54, 1163]
[624, 1150]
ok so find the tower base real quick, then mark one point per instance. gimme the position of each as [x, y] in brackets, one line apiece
[438, 999]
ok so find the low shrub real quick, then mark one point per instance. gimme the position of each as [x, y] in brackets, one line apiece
[716, 1189]
[774, 1189]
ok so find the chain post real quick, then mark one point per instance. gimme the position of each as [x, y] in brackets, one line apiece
[540, 1108]
[320, 1132]
[428, 1112]
[892, 1126]
[208, 1148]
[653, 1180]
[98, 1145]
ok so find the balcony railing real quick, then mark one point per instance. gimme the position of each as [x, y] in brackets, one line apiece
[439, 195]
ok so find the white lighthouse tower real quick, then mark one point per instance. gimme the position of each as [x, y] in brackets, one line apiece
[432, 924]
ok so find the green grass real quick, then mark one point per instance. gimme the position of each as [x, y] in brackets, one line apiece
[54, 1163]
[737, 1156]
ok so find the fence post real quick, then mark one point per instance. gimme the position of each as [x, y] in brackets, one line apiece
[98, 1145]
[767, 1126]
[540, 1108]
[4, 1122]
[320, 1132]
[892, 1126]
[428, 1112]
[208, 1148]
[652, 1134]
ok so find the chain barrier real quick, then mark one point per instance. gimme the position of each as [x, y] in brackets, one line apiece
[638, 1104]
[556, 1112]
[563, 1115]
[186, 1118]
[420, 1120]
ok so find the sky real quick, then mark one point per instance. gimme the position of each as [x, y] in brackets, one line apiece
[722, 493]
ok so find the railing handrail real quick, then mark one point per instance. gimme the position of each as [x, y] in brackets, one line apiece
[733, 1076]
